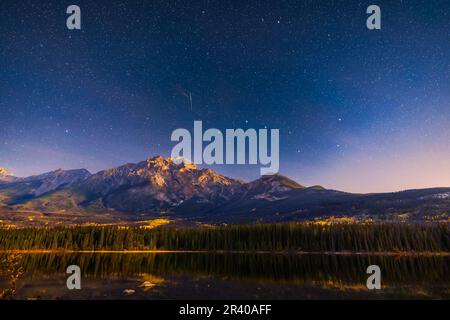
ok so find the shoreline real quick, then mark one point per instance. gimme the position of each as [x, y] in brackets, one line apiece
[333, 253]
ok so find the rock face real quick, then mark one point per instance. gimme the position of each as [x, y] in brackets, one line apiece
[6, 176]
[157, 183]
[4, 172]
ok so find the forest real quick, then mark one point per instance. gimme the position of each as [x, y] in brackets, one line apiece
[304, 237]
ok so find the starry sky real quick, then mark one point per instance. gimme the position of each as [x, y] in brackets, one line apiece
[358, 110]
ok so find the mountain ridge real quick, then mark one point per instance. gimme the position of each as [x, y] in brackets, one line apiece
[161, 186]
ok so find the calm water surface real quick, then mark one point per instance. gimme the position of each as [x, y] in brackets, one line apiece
[229, 276]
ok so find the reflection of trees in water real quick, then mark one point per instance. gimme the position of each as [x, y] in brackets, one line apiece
[11, 271]
[299, 269]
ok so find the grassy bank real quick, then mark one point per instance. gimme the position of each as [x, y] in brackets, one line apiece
[307, 237]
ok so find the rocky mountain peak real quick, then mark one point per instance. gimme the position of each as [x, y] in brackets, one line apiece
[5, 173]
[6, 176]
[162, 163]
[157, 183]
[158, 161]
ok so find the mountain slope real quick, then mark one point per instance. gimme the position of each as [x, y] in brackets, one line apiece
[22, 190]
[314, 202]
[270, 188]
[159, 186]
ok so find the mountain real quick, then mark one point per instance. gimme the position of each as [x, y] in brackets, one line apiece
[21, 190]
[275, 198]
[159, 186]
[6, 176]
[270, 188]
[55, 179]
[156, 184]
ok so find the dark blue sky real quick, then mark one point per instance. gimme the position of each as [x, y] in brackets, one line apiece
[357, 110]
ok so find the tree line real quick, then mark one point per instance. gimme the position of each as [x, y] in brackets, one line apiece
[308, 237]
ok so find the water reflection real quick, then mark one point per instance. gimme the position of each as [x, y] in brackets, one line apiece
[238, 275]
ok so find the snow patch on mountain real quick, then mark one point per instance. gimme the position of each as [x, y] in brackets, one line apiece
[444, 195]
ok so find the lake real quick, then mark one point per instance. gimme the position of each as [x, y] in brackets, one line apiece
[229, 276]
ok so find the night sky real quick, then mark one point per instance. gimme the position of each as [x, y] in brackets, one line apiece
[357, 110]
